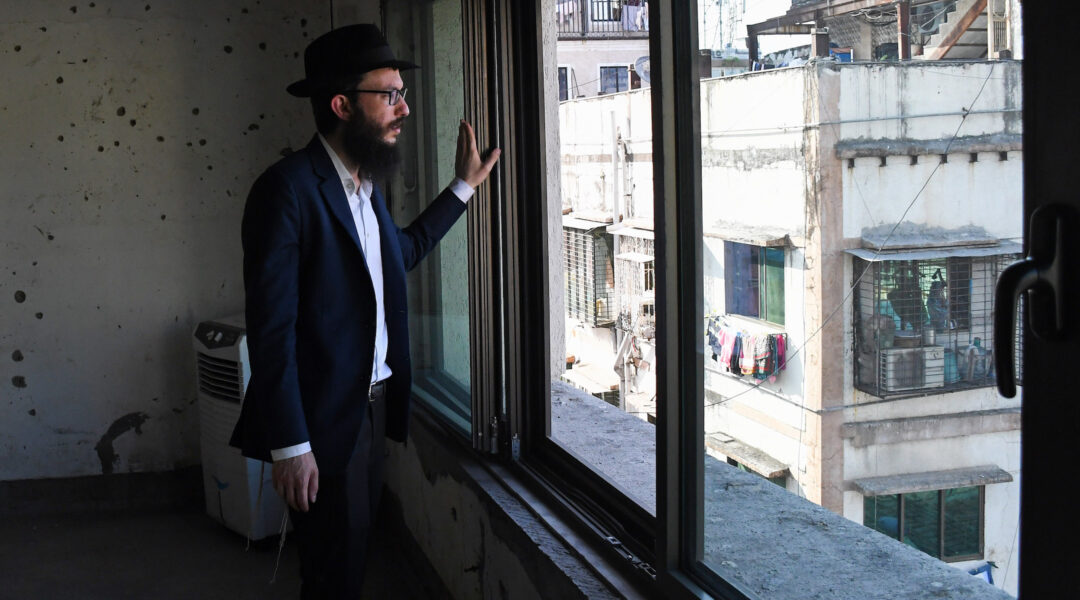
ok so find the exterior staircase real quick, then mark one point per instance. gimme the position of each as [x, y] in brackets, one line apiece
[972, 40]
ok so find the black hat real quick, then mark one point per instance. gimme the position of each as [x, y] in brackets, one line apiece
[346, 51]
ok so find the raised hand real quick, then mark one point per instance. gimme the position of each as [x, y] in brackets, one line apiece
[470, 168]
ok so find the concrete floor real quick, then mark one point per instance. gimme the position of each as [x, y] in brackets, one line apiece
[165, 556]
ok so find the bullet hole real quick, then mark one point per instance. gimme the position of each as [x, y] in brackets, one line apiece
[243, 11]
[17, 356]
[195, 110]
[33, 412]
[209, 167]
[50, 237]
[59, 138]
[228, 49]
[116, 143]
[101, 148]
[262, 46]
[188, 144]
[162, 217]
[160, 138]
[43, 28]
[202, 142]
[296, 55]
[261, 116]
[39, 315]
[19, 48]
[253, 126]
[85, 60]
[20, 296]
[132, 122]
[74, 9]
[18, 381]
[59, 80]
[147, 7]
[228, 193]
[121, 111]
[34, 263]
[92, 5]
[303, 22]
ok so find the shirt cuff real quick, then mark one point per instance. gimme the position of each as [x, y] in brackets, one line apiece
[290, 451]
[461, 189]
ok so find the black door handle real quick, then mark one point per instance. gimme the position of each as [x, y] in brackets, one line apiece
[1042, 275]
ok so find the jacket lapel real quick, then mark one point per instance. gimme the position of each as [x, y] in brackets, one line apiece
[330, 188]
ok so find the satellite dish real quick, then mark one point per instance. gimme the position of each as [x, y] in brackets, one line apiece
[641, 65]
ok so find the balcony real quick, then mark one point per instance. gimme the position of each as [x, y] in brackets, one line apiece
[605, 19]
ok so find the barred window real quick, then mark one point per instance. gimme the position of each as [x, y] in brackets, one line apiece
[925, 325]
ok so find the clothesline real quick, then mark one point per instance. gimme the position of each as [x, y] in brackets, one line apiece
[741, 353]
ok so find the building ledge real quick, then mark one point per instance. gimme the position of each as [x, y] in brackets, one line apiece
[909, 483]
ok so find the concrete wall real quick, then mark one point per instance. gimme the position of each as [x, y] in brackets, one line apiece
[920, 101]
[583, 59]
[132, 132]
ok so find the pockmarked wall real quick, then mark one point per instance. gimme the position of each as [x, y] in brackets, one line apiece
[130, 133]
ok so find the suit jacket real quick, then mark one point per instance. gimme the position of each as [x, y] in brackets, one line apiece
[311, 309]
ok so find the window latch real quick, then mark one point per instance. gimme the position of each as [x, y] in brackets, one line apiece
[1042, 274]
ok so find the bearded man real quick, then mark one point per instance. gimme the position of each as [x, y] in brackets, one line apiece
[324, 276]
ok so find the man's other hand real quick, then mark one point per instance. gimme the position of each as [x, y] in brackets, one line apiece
[296, 480]
[469, 167]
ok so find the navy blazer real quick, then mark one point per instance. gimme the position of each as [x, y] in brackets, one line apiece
[311, 309]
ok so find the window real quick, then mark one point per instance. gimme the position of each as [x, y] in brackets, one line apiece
[614, 79]
[743, 196]
[605, 10]
[439, 316]
[925, 324]
[946, 524]
[564, 87]
[754, 278]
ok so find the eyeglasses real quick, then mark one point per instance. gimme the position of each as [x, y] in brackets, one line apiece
[392, 96]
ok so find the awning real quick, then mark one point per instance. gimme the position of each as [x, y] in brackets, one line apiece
[1003, 247]
[638, 257]
[931, 480]
[753, 458]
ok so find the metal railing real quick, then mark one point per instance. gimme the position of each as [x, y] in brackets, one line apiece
[602, 18]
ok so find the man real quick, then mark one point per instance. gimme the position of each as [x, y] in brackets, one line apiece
[324, 273]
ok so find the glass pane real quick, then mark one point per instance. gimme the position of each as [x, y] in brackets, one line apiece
[853, 229]
[922, 523]
[600, 233]
[962, 522]
[439, 287]
[883, 514]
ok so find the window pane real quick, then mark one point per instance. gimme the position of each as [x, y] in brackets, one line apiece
[853, 228]
[601, 253]
[921, 521]
[439, 286]
[962, 522]
[883, 514]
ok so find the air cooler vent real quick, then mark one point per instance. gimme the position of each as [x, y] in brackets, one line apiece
[220, 378]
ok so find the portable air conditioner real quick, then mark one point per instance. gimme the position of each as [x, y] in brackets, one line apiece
[238, 490]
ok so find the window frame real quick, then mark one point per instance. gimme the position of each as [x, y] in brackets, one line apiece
[620, 70]
[524, 373]
[901, 522]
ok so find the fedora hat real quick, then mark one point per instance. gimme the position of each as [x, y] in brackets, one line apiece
[344, 52]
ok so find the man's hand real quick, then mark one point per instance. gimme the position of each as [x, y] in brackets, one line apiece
[469, 167]
[296, 480]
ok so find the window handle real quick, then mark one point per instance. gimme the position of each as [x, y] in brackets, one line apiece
[1042, 275]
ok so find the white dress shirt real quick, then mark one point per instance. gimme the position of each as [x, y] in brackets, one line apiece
[367, 229]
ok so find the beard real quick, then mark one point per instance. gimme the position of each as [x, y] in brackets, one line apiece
[363, 143]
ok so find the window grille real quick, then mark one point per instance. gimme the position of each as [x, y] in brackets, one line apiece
[590, 278]
[925, 326]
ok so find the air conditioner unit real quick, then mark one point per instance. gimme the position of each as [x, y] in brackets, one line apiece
[238, 490]
[904, 369]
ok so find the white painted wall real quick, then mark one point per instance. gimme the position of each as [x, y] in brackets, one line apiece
[131, 133]
[892, 102]
[583, 59]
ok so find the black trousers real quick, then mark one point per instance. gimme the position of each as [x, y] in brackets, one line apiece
[332, 537]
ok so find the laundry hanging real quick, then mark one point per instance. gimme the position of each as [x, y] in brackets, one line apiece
[745, 354]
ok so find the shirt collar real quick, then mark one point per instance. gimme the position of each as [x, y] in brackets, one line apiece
[343, 173]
